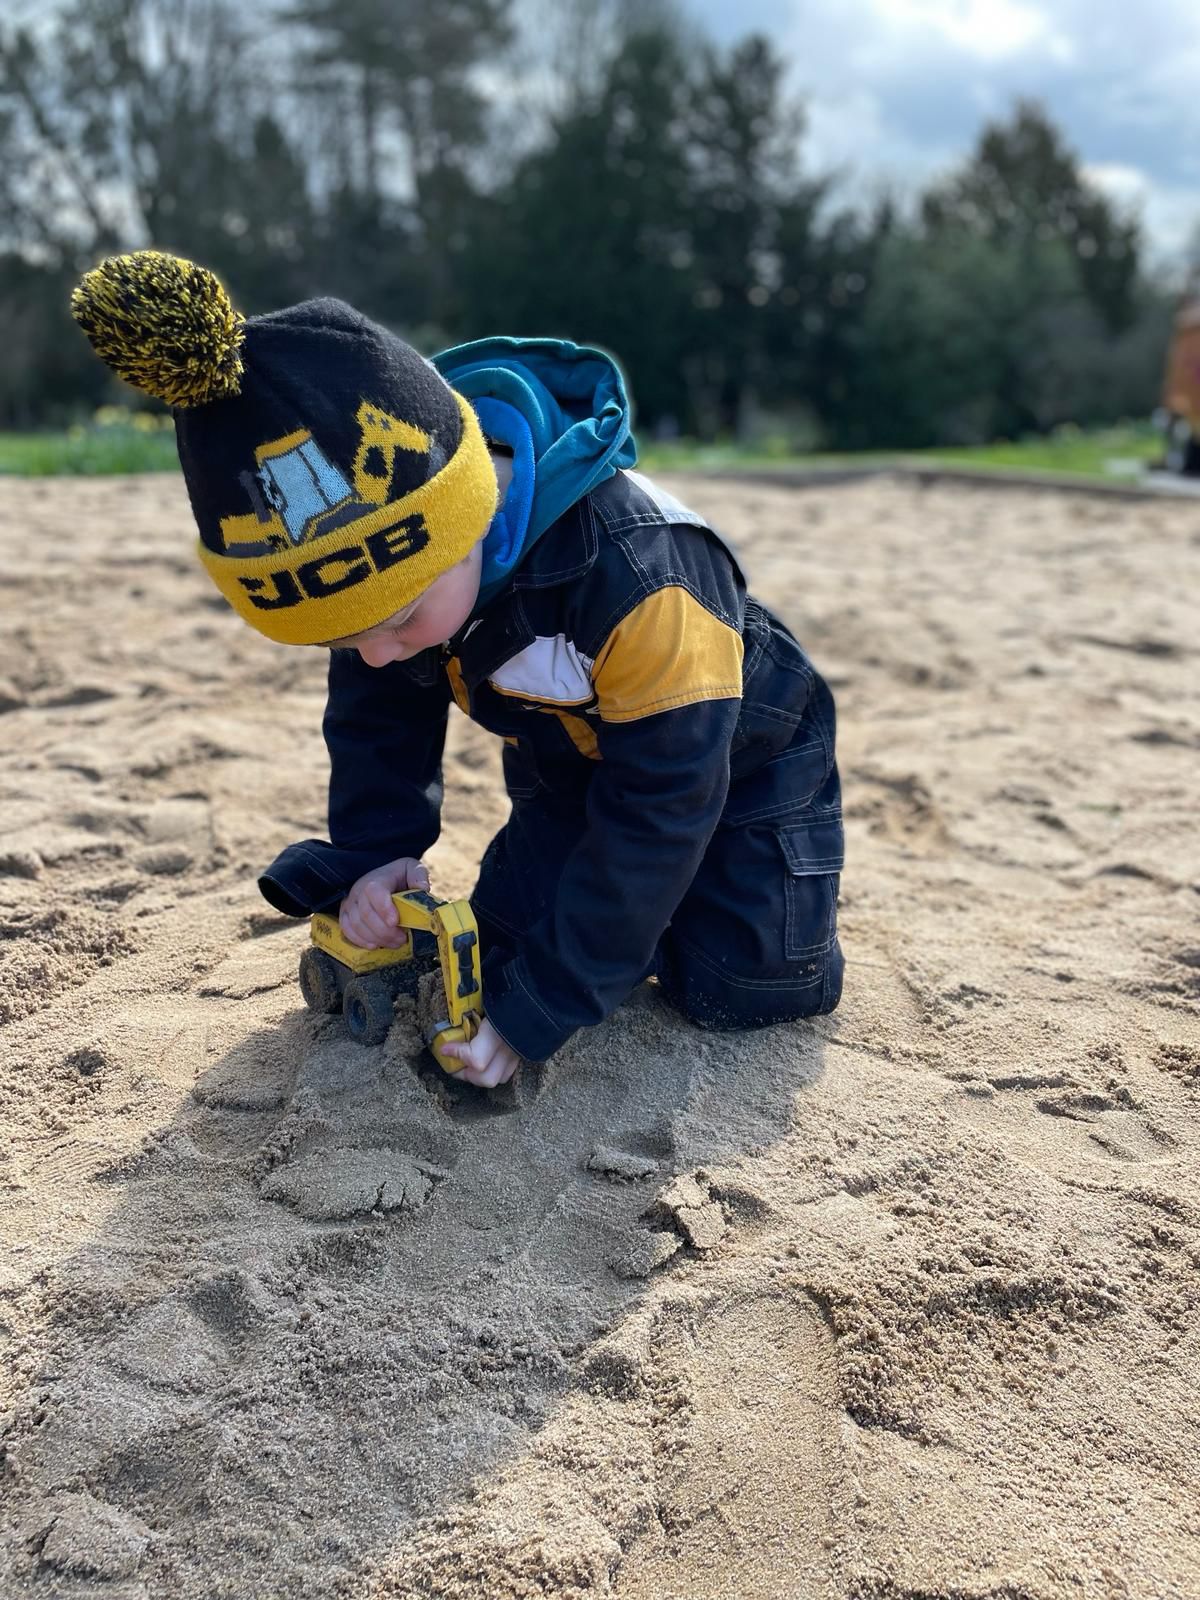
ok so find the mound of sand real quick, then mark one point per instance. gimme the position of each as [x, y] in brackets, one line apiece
[898, 1306]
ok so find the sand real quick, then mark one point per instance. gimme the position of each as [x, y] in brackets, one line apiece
[900, 1305]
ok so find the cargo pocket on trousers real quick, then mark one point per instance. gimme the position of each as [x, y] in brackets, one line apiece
[520, 779]
[814, 853]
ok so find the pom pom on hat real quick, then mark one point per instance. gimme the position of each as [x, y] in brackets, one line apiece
[165, 325]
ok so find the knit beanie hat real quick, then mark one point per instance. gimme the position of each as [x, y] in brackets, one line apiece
[333, 473]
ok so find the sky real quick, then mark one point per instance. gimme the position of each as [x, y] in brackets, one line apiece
[897, 90]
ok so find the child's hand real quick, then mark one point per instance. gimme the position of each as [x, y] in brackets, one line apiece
[489, 1061]
[368, 917]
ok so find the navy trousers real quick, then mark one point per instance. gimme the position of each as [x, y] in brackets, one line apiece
[753, 941]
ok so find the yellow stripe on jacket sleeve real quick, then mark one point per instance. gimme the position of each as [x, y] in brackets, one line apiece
[670, 651]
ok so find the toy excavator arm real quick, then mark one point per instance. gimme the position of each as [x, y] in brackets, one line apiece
[452, 924]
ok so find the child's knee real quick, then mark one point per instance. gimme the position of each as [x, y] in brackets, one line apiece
[716, 999]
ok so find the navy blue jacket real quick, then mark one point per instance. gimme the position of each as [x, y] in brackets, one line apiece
[634, 684]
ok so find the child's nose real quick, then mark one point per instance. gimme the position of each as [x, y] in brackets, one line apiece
[378, 652]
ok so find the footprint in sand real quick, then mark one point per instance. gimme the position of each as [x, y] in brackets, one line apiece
[257, 1074]
[1107, 1122]
[1182, 1061]
[743, 1495]
[901, 811]
[1054, 1119]
[168, 1346]
[133, 1412]
[82, 1537]
[185, 1342]
[251, 970]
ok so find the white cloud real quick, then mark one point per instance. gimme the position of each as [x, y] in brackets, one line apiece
[1169, 213]
[990, 30]
[1127, 185]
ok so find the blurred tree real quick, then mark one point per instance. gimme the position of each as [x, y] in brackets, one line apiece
[590, 239]
[48, 372]
[565, 50]
[946, 336]
[147, 121]
[412, 72]
[54, 206]
[660, 217]
[743, 141]
[1024, 186]
[134, 122]
[1013, 303]
[833, 264]
[965, 340]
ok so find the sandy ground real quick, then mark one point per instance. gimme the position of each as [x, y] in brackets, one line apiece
[899, 1306]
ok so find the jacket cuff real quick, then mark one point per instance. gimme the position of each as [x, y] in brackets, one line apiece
[314, 876]
[519, 1018]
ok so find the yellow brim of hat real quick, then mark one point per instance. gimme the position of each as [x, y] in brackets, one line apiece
[363, 572]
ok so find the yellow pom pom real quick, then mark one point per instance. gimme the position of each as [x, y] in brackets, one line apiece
[164, 324]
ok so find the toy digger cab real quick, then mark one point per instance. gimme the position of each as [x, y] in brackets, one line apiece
[336, 975]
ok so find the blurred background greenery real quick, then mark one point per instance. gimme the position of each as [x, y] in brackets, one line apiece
[594, 169]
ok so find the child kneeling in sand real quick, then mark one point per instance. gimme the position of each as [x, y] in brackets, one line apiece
[471, 529]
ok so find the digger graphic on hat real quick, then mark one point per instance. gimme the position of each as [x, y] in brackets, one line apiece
[297, 493]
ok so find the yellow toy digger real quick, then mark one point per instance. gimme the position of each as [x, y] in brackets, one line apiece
[336, 975]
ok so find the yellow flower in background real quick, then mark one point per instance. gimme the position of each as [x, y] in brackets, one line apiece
[126, 417]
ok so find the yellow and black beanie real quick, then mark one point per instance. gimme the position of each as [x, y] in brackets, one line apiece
[333, 473]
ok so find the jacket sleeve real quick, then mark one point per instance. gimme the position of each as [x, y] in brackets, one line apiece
[668, 687]
[385, 729]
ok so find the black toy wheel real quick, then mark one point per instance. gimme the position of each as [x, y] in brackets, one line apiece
[368, 1008]
[318, 981]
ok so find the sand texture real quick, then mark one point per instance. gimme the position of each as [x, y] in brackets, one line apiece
[897, 1306]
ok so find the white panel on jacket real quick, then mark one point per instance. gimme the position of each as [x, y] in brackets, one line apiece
[548, 669]
[674, 510]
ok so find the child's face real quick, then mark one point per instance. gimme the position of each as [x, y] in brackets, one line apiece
[432, 619]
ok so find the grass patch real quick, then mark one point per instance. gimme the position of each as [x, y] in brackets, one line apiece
[1107, 455]
[126, 442]
[688, 455]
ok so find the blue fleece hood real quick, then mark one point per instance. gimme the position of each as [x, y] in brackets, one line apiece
[562, 409]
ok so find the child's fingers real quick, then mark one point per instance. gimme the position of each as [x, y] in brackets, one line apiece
[364, 927]
[484, 1067]
[462, 1052]
[379, 916]
[488, 1077]
[378, 899]
[382, 935]
[365, 939]
[352, 926]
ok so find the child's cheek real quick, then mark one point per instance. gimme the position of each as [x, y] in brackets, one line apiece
[442, 623]
[421, 635]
